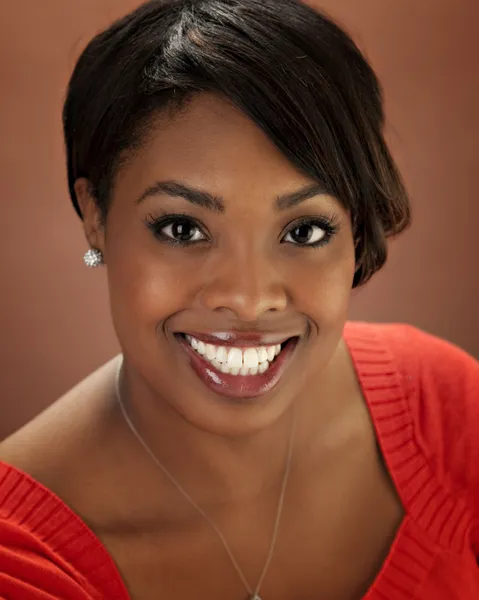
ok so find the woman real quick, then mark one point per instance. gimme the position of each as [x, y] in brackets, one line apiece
[228, 163]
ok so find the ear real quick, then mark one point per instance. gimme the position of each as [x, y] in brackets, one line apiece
[92, 218]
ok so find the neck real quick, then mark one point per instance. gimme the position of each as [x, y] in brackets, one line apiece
[214, 469]
[217, 470]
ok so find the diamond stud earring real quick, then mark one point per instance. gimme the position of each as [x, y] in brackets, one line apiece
[93, 258]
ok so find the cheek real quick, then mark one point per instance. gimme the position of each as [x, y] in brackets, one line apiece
[150, 282]
[153, 287]
[323, 285]
[328, 297]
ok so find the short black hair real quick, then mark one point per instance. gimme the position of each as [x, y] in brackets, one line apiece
[291, 69]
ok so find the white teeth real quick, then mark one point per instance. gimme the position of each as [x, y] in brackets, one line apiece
[221, 354]
[250, 358]
[262, 354]
[211, 352]
[236, 361]
[235, 358]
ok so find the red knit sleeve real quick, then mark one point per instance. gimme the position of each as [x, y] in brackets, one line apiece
[46, 551]
[446, 407]
[29, 570]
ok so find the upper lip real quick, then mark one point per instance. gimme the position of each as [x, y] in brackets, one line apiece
[241, 338]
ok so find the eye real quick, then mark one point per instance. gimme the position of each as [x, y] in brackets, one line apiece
[176, 229]
[311, 232]
[305, 234]
[183, 230]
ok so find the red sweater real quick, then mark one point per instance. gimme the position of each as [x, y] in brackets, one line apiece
[423, 396]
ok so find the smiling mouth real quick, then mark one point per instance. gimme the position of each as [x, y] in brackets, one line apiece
[237, 361]
[238, 371]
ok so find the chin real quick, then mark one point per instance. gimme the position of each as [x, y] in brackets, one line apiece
[234, 388]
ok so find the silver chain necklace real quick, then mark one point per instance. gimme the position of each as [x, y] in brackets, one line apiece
[253, 594]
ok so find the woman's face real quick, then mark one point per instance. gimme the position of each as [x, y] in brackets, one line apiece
[229, 271]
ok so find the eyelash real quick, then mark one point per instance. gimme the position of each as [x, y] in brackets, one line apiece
[328, 223]
[157, 224]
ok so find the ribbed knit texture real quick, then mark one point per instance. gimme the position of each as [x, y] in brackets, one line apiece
[423, 397]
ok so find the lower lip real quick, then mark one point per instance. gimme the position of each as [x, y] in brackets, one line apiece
[239, 386]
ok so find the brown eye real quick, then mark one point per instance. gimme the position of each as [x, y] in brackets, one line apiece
[182, 230]
[306, 234]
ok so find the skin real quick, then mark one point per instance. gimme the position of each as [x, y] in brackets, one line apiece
[341, 507]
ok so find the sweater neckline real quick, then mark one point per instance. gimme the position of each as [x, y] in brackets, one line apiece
[386, 394]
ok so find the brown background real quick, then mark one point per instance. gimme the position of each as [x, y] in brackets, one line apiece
[55, 325]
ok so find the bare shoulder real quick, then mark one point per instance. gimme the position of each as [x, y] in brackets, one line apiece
[81, 450]
[62, 442]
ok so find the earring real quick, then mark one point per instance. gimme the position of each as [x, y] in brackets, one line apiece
[93, 258]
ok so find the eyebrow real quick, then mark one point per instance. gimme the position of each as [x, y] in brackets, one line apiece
[216, 204]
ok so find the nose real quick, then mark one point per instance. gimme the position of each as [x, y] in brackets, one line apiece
[249, 287]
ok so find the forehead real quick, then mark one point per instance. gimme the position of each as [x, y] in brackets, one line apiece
[212, 144]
